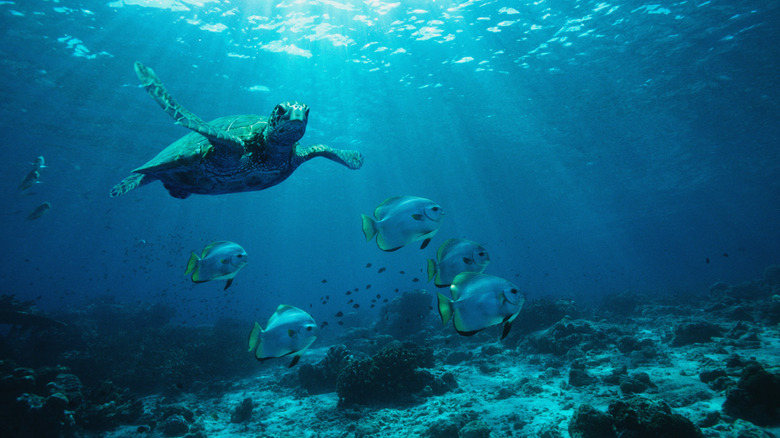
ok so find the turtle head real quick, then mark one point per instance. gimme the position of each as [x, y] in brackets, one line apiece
[287, 123]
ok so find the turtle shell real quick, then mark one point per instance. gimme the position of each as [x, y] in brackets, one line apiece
[190, 152]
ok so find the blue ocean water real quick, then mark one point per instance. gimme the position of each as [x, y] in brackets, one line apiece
[592, 147]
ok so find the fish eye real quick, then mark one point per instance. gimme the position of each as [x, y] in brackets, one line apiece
[308, 329]
[514, 291]
[481, 253]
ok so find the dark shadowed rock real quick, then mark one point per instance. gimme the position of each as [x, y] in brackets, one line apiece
[588, 422]
[698, 332]
[756, 397]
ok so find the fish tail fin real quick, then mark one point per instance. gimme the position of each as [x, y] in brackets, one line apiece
[192, 264]
[431, 269]
[256, 340]
[369, 227]
[446, 309]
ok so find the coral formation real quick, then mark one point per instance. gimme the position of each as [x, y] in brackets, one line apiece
[392, 375]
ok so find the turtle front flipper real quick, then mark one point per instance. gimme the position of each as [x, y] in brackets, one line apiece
[347, 157]
[229, 143]
[131, 182]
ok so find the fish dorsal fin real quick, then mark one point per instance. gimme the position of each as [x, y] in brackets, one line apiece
[211, 247]
[382, 209]
[283, 308]
[446, 246]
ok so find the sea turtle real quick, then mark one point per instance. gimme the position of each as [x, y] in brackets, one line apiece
[230, 154]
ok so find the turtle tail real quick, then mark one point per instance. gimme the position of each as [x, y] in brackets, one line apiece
[129, 183]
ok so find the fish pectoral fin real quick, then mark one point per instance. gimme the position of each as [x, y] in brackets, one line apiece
[467, 261]
[224, 261]
[290, 333]
[229, 282]
[418, 217]
[295, 360]
[425, 243]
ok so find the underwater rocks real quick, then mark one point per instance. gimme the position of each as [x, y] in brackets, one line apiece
[109, 406]
[541, 313]
[394, 374]
[32, 406]
[243, 412]
[634, 417]
[570, 338]
[756, 397]
[321, 377]
[697, 332]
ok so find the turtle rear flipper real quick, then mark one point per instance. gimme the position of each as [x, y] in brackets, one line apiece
[131, 182]
[346, 157]
[222, 140]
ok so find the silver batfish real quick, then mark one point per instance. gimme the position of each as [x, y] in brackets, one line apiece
[455, 256]
[401, 220]
[219, 261]
[480, 301]
[289, 331]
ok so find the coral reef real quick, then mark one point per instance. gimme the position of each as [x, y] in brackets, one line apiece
[392, 375]
[322, 376]
[634, 417]
[243, 412]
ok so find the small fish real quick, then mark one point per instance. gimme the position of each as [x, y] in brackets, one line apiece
[368, 265]
[401, 220]
[219, 261]
[356, 305]
[455, 256]
[38, 211]
[381, 270]
[30, 180]
[39, 162]
[339, 314]
[289, 331]
[480, 301]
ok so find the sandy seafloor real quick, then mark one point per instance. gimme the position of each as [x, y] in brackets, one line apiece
[514, 392]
